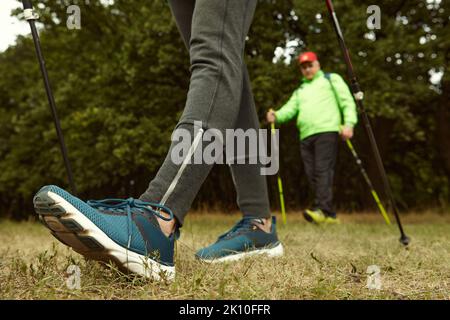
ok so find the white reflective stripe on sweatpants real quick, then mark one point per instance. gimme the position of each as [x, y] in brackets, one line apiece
[175, 180]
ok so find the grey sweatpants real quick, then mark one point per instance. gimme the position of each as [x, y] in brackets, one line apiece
[220, 96]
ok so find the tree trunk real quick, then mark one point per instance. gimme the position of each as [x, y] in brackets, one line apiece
[443, 130]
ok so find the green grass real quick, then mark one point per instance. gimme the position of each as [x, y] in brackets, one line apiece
[319, 263]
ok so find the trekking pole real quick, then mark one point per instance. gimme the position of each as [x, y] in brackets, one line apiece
[31, 16]
[280, 184]
[369, 183]
[358, 94]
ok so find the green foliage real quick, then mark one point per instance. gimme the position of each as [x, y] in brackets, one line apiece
[120, 85]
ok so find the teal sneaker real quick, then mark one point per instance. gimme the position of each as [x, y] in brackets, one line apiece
[243, 240]
[125, 232]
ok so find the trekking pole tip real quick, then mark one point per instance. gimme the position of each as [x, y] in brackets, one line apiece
[404, 240]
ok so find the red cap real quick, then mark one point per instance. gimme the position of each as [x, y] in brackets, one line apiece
[307, 57]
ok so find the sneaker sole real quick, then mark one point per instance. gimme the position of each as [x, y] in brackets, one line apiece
[274, 252]
[74, 229]
[334, 221]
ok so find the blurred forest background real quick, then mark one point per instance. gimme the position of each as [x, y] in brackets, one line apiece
[120, 85]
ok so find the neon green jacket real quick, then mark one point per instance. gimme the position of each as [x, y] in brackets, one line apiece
[315, 106]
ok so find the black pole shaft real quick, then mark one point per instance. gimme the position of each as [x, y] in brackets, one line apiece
[51, 100]
[358, 95]
[361, 168]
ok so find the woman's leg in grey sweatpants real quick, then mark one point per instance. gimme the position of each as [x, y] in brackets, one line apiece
[219, 96]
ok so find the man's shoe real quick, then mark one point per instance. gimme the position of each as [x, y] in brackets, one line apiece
[125, 232]
[331, 220]
[243, 240]
[316, 216]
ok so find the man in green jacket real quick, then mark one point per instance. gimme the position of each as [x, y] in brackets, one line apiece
[324, 108]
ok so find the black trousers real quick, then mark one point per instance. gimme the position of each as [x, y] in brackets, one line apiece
[319, 158]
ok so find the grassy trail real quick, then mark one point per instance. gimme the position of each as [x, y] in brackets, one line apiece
[319, 263]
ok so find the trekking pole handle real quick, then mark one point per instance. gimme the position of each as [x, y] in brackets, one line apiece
[27, 4]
